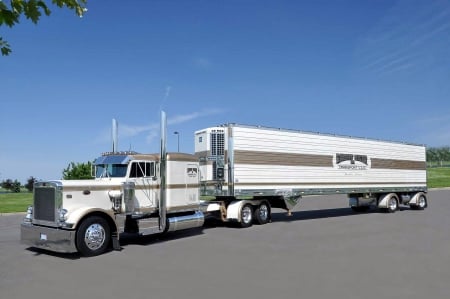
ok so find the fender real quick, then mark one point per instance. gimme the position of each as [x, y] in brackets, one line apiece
[419, 201]
[384, 199]
[234, 208]
[76, 215]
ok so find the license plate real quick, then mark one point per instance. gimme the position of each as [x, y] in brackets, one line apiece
[44, 237]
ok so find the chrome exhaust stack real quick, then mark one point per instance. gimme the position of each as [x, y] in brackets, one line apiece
[163, 173]
[115, 135]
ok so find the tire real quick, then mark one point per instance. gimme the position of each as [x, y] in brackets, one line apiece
[422, 203]
[93, 236]
[262, 213]
[392, 204]
[246, 218]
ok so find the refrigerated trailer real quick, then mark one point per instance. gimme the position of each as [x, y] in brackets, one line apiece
[237, 174]
[254, 168]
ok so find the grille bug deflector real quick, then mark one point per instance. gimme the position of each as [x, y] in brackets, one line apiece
[47, 199]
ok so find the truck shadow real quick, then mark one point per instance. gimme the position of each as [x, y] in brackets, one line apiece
[278, 216]
[134, 239]
[68, 256]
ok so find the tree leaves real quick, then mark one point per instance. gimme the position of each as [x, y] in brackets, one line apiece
[78, 171]
[32, 10]
[9, 17]
[4, 47]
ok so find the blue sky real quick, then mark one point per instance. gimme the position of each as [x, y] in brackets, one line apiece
[377, 69]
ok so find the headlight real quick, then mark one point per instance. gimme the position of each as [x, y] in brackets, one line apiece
[62, 219]
[29, 217]
[62, 215]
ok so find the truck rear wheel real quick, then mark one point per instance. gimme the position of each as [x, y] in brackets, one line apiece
[392, 204]
[421, 203]
[262, 213]
[93, 236]
[246, 216]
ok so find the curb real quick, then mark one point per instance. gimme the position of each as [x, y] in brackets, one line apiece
[12, 214]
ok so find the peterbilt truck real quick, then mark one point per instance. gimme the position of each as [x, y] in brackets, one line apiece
[237, 174]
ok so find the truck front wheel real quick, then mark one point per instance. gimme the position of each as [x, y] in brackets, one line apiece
[93, 236]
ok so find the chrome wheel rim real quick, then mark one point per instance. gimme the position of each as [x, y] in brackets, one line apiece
[422, 202]
[263, 212]
[95, 236]
[246, 214]
[393, 204]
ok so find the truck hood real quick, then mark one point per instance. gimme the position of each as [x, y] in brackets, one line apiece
[104, 182]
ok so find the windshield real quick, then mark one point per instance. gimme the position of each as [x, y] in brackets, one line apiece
[111, 170]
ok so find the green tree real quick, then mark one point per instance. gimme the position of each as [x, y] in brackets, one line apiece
[16, 186]
[78, 171]
[13, 186]
[436, 156]
[7, 184]
[32, 9]
[30, 183]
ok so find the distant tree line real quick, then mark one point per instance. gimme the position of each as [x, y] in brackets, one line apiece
[438, 156]
[15, 186]
[74, 171]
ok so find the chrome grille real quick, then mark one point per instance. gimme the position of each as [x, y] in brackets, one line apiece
[44, 203]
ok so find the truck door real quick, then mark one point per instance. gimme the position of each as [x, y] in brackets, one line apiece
[143, 175]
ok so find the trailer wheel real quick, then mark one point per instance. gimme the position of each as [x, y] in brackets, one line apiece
[246, 216]
[93, 236]
[262, 213]
[421, 203]
[392, 204]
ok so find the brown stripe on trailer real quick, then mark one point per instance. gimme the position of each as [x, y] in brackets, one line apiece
[291, 159]
[285, 159]
[398, 164]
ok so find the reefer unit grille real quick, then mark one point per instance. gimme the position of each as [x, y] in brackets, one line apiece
[44, 203]
[217, 143]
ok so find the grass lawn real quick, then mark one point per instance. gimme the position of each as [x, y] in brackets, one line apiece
[438, 177]
[15, 202]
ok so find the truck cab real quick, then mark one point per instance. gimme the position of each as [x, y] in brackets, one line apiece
[128, 194]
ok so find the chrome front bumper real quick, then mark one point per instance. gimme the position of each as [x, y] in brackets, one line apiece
[52, 239]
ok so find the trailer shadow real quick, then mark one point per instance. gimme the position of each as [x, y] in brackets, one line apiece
[327, 213]
[317, 214]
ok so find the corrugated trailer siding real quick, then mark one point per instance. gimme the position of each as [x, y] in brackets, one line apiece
[269, 140]
[269, 158]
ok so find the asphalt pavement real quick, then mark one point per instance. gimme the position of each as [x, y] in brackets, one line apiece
[323, 251]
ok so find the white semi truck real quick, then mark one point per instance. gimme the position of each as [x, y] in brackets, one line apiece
[237, 174]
